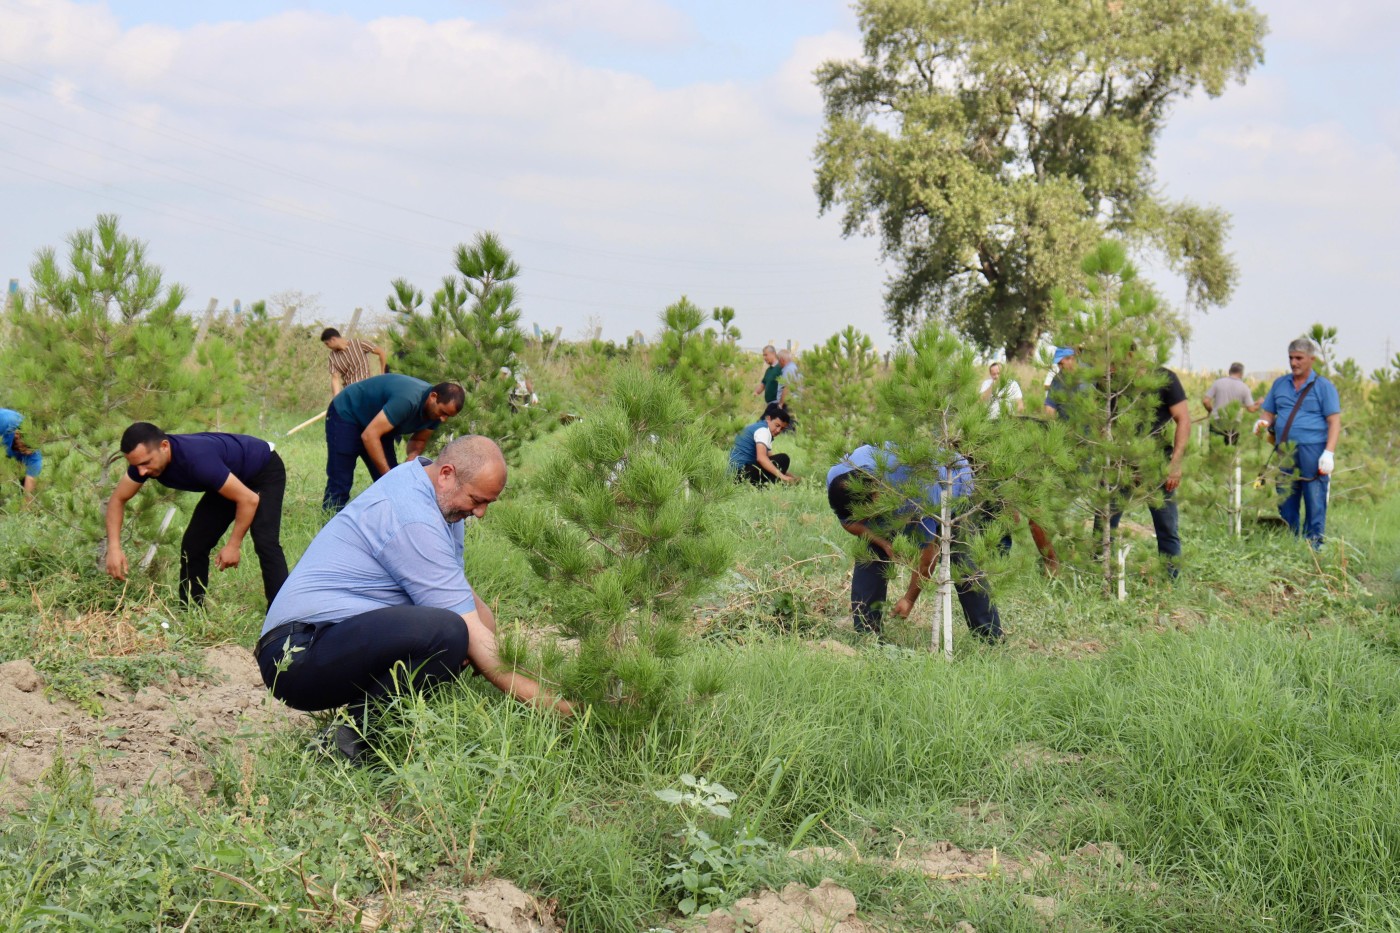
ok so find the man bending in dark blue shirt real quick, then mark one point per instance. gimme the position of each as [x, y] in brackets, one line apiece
[243, 482]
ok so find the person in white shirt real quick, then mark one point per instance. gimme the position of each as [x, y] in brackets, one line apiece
[997, 397]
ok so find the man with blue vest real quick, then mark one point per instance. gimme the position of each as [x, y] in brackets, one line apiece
[752, 458]
[1308, 407]
[852, 485]
[364, 420]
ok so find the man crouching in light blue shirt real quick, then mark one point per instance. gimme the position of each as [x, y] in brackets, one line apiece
[379, 599]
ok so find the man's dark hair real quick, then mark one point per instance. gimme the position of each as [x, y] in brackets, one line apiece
[142, 433]
[450, 393]
[328, 333]
[1237, 369]
[776, 410]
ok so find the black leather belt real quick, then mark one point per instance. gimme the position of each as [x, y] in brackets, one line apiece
[285, 630]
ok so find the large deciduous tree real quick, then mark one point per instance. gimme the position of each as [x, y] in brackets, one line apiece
[991, 143]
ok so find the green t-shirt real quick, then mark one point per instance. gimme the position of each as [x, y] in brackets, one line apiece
[770, 383]
[400, 397]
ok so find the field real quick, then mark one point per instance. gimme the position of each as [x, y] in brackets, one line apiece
[1222, 753]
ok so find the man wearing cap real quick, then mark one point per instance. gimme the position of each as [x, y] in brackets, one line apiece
[364, 420]
[243, 482]
[751, 457]
[348, 361]
[1057, 390]
[852, 485]
[17, 449]
[1224, 392]
[1315, 410]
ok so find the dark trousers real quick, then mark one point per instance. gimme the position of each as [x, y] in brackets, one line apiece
[365, 658]
[1308, 490]
[343, 448]
[213, 515]
[870, 587]
[755, 474]
[1165, 524]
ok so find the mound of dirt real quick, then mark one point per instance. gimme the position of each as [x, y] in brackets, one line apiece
[494, 905]
[156, 736]
[828, 907]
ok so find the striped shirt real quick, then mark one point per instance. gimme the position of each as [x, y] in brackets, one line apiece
[351, 364]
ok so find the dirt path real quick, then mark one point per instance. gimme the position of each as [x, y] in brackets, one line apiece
[156, 736]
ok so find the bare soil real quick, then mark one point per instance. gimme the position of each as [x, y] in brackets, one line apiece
[158, 736]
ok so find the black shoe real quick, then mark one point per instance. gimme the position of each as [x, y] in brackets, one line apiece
[342, 741]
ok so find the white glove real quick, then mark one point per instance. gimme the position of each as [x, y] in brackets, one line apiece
[1260, 425]
[1325, 463]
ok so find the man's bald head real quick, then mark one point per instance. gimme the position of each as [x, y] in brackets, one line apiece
[469, 474]
[473, 455]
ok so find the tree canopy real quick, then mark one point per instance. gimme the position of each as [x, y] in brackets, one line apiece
[991, 143]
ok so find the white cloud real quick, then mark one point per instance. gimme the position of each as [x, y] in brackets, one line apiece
[649, 22]
[793, 85]
[384, 143]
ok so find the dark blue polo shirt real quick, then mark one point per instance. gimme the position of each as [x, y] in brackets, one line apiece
[203, 462]
[1310, 424]
[400, 397]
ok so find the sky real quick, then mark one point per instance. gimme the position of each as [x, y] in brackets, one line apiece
[628, 152]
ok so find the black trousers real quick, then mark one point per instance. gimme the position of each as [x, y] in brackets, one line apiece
[367, 657]
[212, 517]
[755, 474]
[870, 588]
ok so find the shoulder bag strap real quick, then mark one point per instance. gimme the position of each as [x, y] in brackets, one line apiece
[1283, 438]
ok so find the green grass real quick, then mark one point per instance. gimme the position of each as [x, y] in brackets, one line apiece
[1236, 734]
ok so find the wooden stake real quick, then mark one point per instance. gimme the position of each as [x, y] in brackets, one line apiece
[307, 423]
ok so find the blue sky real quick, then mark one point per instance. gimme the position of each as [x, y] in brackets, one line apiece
[629, 151]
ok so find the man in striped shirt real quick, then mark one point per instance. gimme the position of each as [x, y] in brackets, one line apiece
[348, 361]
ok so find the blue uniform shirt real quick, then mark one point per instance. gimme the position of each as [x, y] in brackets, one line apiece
[389, 547]
[882, 462]
[745, 449]
[10, 420]
[400, 397]
[1310, 424]
[203, 462]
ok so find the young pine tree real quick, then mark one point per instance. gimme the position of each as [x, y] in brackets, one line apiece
[97, 344]
[931, 411]
[629, 536]
[839, 378]
[471, 335]
[1109, 401]
[707, 365]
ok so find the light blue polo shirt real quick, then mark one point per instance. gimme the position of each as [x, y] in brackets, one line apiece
[882, 462]
[389, 547]
[1310, 424]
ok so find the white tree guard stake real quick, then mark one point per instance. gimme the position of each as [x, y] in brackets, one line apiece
[1123, 571]
[1235, 497]
[151, 551]
[945, 566]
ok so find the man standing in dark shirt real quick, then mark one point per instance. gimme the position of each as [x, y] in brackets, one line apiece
[1171, 408]
[768, 385]
[363, 421]
[243, 482]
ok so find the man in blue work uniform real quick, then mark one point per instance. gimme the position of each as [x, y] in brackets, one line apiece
[365, 418]
[243, 481]
[1315, 428]
[17, 449]
[851, 486]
